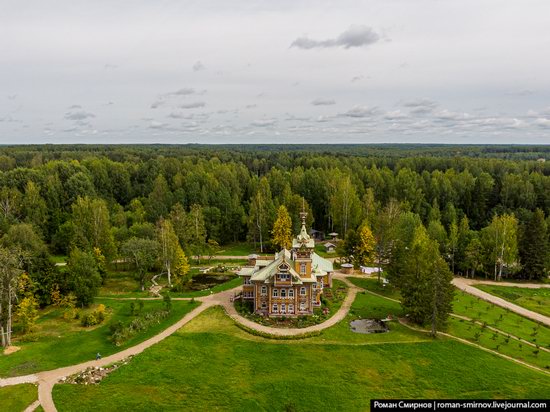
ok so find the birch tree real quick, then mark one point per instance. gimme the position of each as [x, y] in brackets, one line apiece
[168, 242]
[500, 243]
[10, 270]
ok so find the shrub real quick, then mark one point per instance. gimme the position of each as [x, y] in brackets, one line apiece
[93, 318]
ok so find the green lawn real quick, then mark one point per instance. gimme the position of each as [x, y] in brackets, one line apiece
[501, 343]
[537, 300]
[124, 285]
[236, 249]
[373, 285]
[510, 322]
[368, 306]
[210, 364]
[17, 397]
[59, 258]
[60, 343]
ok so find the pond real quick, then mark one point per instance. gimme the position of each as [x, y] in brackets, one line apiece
[209, 280]
[368, 326]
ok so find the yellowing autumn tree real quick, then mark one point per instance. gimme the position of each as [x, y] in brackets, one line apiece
[27, 313]
[366, 247]
[181, 270]
[282, 229]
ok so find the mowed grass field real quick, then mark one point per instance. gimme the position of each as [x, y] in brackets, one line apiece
[211, 364]
[17, 397]
[58, 342]
[537, 300]
[485, 315]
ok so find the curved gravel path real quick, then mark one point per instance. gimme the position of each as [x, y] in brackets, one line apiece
[47, 379]
[333, 320]
[467, 286]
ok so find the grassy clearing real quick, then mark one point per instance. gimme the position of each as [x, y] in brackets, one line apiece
[501, 343]
[321, 251]
[17, 397]
[58, 258]
[492, 315]
[236, 249]
[210, 364]
[368, 306]
[537, 300]
[58, 342]
[500, 318]
[373, 285]
[124, 285]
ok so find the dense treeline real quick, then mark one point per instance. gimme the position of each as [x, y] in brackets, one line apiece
[486, 207]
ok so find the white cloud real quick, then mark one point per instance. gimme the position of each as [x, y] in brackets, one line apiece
[355, 36]
[323, 102]
[198, 66]
[192, 105]
[264, 122]
[361, 111]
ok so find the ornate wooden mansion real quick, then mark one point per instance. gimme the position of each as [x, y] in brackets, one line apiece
[292, 283]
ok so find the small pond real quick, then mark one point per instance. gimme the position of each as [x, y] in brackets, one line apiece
[368, 326]
[209, 280]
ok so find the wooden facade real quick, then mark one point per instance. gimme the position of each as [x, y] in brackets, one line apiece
[292, 283]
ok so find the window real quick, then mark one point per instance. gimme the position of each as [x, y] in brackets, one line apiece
[291, 293]
[283, 293]
[264, 305]
[302, 306]
[283, 308]
[275, 293]
[290, 308]
[303, 267]
[302, 291]
[275, 308]
[314, 286]
[247, 281]
[264, 290]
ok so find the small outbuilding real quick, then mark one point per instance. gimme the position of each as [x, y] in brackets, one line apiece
[369, 270]
[330, 247]
[347, 268]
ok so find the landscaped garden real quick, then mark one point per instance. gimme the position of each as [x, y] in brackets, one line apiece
[212, 364]
[331, 300]
[123, 284]
[485, 318]
[60, 340]
[537, 300]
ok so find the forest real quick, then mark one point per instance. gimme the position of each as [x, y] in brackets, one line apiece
[484, 208]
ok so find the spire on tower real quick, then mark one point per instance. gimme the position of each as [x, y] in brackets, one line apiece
[303, 213]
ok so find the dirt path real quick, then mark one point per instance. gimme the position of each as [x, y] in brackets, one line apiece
[47, 379]
[333, 320]
[509, 284]
[467, 286]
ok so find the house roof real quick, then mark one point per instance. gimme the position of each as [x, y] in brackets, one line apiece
[261, 273]
[328, 244]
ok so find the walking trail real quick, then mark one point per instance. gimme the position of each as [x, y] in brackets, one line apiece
[467, 285]
[47, 379]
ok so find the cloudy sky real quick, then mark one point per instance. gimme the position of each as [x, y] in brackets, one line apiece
[121, 71]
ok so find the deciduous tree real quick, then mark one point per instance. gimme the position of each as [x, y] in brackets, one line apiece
[282, 229]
